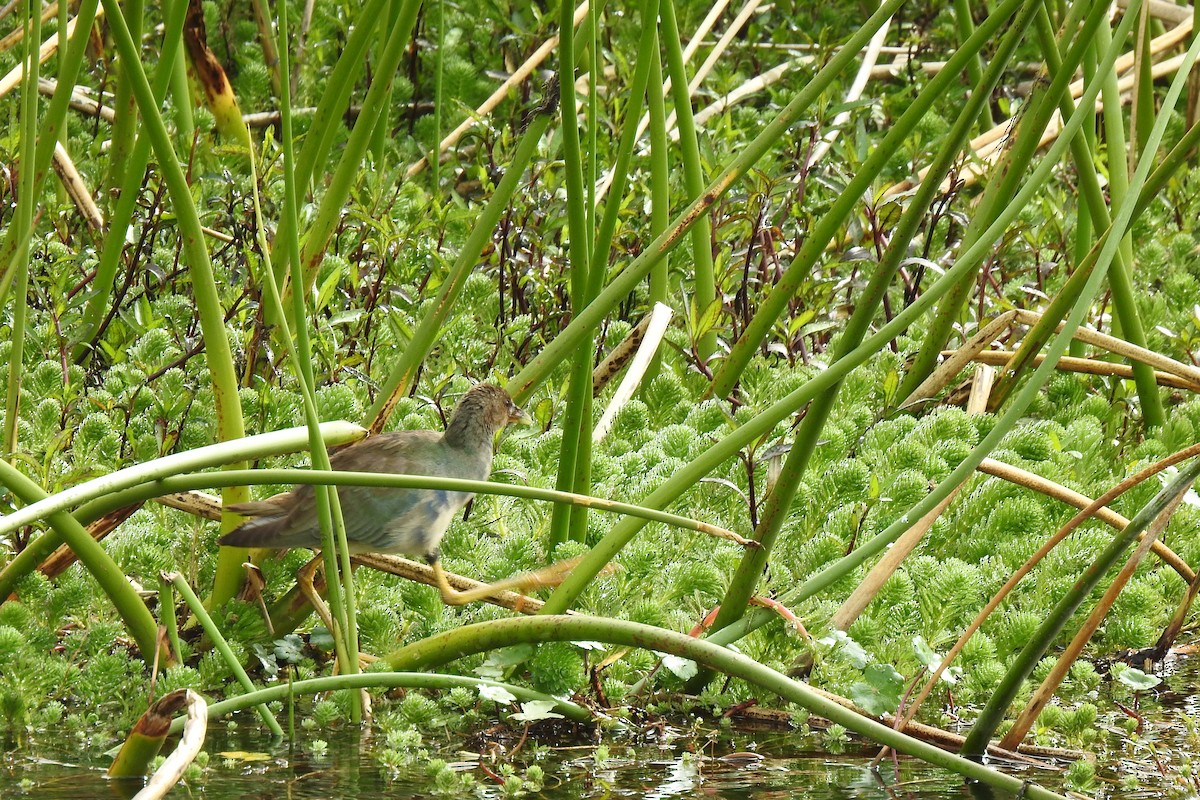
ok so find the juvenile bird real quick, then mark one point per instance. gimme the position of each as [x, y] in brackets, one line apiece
[392, 520]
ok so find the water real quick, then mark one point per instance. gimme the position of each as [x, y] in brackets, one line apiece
[661, 764]
[349, 770]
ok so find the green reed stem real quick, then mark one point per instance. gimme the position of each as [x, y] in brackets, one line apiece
[686, 476]
[778, 502]
[581, 327]
[704, 280]
[23, 221]
[172, 484]
[52, 125]
[813, 247]
[108, 575]
[383, 680]
[346, 175]
[1005, 693]
[131, 174]
[333, 530]
[577, 408]
[496, 634]
[44, 506]
[222, 646]
[228, 576]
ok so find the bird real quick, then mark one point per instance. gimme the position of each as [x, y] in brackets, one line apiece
[399, 520]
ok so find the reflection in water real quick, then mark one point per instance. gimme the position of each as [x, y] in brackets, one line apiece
[749, 767]
[745, 766]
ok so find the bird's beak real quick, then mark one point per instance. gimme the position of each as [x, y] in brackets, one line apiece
[519, 416]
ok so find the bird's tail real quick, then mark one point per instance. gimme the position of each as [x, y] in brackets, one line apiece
[267, 528]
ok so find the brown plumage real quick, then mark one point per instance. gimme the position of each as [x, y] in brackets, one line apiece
[388, 520]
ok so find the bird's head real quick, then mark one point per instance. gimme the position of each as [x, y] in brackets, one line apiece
[482, 411]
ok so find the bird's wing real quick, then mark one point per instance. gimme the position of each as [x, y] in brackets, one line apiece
[370, 512]
[377, 518]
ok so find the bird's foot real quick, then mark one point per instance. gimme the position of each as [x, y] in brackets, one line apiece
[546, 577]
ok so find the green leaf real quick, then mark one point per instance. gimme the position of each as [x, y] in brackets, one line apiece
[705, 321]
[840, 641]
[288, 649]
[321, 638]
[930, 658]
[500, 660]
[1137, 680]
[925, 653]
[880, 692]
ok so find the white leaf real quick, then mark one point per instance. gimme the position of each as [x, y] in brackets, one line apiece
[497, 694]
[680, 667]
[536, 710]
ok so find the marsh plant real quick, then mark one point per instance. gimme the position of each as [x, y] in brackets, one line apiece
[819, 252]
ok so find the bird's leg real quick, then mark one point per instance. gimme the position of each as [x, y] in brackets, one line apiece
[305, 582]
[552, 575]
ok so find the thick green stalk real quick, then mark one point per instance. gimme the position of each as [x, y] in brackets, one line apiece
[181, 93]
[333, 530]
[598, 257]
[577, 410]
[1120, 278]
[346, 175]
[64, 17]
[222, 647]
[275, 443]
[383, 680]
[166, 619]
[327, 119]
[228, 575]
[704, 280]
[147, 736]
[660, 188]
[404, 372]
[1033, 340]
[685, 477]
[1143, 102]
[1094, 197]
[1084, 229]
[593, 118]
[131, 173]
[125, 123]
[1112, 119]
[1002, 698]
[813, 248]
[1022, 667]
[496, 634]
[383, 122]
[23, 221]
[582, 325]
[778, 504]
[439, 68]
[53, 121]
[966, 26]
[1008, 173]
[85, 494]
[172, 484]
[1017, 408]
[132, 610]
[646, 63]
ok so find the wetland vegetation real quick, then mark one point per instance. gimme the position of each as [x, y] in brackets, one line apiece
[918, 413]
